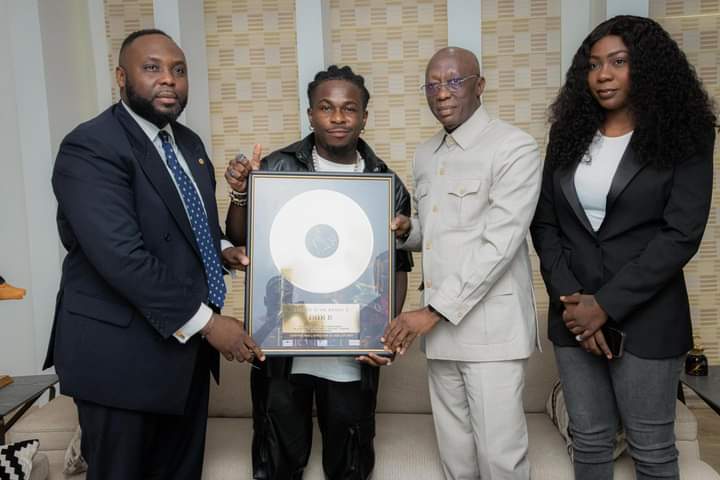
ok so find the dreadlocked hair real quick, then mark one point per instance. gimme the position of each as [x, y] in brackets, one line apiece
[339, 73]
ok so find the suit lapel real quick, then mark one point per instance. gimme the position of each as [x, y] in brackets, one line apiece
[629, 166]
[567, 184]
[157, 173]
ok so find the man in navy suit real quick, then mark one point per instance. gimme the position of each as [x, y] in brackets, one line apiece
[137, 326]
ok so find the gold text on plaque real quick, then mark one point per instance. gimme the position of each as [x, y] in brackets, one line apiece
[320, 318]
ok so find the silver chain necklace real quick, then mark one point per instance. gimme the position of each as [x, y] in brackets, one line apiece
[316, 161]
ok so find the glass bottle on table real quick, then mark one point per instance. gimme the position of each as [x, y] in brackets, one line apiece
[696, 362]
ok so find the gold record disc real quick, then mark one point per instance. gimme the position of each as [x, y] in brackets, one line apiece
[321, 241]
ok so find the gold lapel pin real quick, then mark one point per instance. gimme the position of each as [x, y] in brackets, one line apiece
[201, 161]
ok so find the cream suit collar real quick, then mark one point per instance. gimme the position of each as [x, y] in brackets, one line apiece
[464, 136]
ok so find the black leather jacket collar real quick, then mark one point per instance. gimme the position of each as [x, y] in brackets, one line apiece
[302, 152]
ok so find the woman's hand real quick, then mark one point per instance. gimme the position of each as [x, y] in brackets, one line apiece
[583, 316]
[597, 345]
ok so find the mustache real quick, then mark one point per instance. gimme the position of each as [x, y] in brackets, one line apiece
[166, 94]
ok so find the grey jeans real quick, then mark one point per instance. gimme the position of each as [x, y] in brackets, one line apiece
[638, 392]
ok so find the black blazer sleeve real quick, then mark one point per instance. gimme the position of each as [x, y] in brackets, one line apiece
[545, 231]
[685, 217]
[93, 186]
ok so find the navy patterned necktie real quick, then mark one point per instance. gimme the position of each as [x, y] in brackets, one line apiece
[199, 223]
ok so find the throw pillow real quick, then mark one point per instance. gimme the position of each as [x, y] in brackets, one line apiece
[74, 461]
[557, 411]
[16, 459]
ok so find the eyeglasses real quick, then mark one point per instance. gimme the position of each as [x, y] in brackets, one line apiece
[454, 84]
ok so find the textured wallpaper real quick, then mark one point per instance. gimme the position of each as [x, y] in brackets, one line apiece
[522, 68]
[252, 72]
[390, 43]
[122, 17]
[695, 26]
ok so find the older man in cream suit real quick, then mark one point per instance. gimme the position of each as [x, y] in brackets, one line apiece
[476, 185]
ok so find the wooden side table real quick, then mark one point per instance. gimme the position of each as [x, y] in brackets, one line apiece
[20, 395]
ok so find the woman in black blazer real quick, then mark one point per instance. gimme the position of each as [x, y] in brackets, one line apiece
[625, 199]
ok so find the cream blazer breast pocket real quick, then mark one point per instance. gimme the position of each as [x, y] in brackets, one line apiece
[464, 201]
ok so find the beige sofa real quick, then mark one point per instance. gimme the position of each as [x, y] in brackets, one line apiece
[405, 441]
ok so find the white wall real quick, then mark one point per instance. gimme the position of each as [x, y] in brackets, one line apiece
[48, 87]
[68, 59]
[17, 334]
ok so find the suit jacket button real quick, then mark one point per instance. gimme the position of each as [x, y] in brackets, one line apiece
[166, 237]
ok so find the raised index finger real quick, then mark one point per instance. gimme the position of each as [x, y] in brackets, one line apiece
[256, 157]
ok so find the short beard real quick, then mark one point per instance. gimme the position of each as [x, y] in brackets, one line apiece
[144, 108]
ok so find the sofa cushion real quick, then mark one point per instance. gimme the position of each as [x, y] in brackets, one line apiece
[74, 461]
[548, 459]
[405, 448]
[685, 423]
[690, 469]
[40, 467]
[232, 397]
[53, 424]
[540, 375]
[404, 445]
[547, 454]
[16, 459]
[227, 448]
[557, 411]
[404, 384]
[56, 460]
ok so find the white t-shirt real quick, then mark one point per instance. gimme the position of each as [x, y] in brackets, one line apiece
[337, 369]
[595, 173]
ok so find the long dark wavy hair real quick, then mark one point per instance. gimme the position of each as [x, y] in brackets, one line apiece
[673, 114]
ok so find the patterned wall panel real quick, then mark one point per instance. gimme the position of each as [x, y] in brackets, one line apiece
[695, 26]
[389, 43]
[252, 72]
[122, 17]
[522, 68]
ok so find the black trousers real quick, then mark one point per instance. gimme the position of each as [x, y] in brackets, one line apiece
[128, 445]
[282, 422]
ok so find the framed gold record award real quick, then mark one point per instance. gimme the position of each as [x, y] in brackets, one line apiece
[320, 279]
